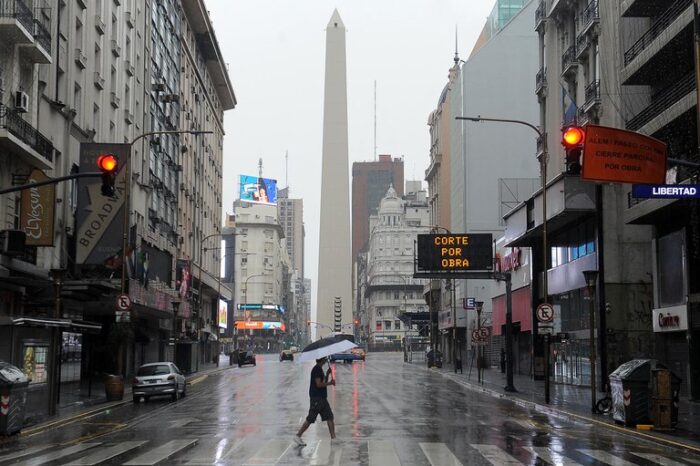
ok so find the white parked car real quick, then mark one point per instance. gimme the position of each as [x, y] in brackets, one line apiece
[158, 379]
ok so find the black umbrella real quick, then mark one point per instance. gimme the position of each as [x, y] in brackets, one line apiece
[326, 346]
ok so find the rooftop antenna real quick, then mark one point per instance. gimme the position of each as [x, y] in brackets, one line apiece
[286, 168]
[375, 120]
[456, 49]
[260, 167]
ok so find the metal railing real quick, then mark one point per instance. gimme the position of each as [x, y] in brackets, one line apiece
[660, 25]
[15, 124]
[589, 15]
[662, 101]
[41, 31]
[568, 58]
[592, 92]
[541, 79]
[540, 14]
[19, 10]
[583, 41]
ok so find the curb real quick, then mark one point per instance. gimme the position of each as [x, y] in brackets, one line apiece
[567, 414]
[60, 422]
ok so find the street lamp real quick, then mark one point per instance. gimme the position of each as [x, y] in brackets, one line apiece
[591, 277]
[479, 368]
[245, 300]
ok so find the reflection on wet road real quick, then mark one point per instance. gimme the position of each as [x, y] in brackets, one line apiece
[387, 413]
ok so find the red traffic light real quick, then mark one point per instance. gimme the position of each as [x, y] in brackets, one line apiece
[572, 136]
[107, 163]
[356, 322]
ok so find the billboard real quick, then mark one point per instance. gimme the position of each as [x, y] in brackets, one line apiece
[455, 252]
[259, 325]
[258, 190]
[223, 314]
[37, 211]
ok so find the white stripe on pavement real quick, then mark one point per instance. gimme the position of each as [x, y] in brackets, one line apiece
[382, 453]
[162, 453]
[321, 454]
[607, 458]
[439, 455]
[108, 453]
[27, 452]
[271, 452]
[551, 456]
[213, 452]
[658, 459]
[56, 455]
[183, 422]
[495, 455]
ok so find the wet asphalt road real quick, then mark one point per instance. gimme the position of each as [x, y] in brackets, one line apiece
[387, 413]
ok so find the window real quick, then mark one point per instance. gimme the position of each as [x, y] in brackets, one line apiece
[34, 360]
[397, 324]
[387, 324]
[671, 268]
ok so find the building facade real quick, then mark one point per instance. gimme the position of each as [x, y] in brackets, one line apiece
[291, 215]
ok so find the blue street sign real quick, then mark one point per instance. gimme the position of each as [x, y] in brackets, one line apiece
[666, 191]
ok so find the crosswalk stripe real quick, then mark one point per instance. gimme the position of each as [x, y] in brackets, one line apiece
[551, 456]
[321, 454]
[382, 453]
[62, 453]
[27, 452]
[218, 452]
[439, 455]
[161, 453]
[659, 459]
[607, 458]
[107, 454]
[271, 452]
[495, 455]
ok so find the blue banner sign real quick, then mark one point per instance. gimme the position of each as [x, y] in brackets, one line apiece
[263, 307]
[666, 191]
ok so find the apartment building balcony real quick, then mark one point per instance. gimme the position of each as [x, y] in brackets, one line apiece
[99, 80]
[583, 43]
[541, 82]
[99, 25]
[592, 97]
[559, 7]
[114, 100]
[589, 18]
[39, 50]
[20, 138]
[641, 8]
[670, 32]
[80, 59]
[665, 106]
[540, 15]
[16, 21]
[116, 48]
[569, 62]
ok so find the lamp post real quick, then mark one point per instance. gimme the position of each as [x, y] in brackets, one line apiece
[591, 277]
[54, 375]
[479, 368]
[245, 301]
[433, 329]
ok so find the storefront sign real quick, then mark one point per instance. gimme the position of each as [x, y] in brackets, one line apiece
[666, 191]
[508, 262]
[259, 325]
[670, 319]
[223, 314]
[261, 307]
[616, 155]
[455, 252]
[445, 318]
[37, 211]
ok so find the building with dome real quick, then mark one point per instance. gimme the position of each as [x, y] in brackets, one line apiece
[390, 293]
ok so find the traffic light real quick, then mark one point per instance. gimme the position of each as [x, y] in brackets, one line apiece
[572, 139]
[338, 313]
[108, 165]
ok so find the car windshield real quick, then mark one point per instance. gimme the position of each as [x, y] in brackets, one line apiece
[159, 369]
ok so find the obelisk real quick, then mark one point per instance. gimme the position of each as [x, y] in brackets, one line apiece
[334, 251]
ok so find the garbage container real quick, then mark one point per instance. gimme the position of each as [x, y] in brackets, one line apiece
[13, 398]
[631, 390]
[114, 387]
[664, 406]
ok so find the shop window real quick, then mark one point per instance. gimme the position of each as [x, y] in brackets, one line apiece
[387, 324]
[671, 268]
[379, 325]
[34, 362]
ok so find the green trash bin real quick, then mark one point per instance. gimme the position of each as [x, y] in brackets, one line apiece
[13, 398]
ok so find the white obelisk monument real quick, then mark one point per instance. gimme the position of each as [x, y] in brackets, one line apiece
[334, 262]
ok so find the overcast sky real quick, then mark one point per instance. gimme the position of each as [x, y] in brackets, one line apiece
[275, 52]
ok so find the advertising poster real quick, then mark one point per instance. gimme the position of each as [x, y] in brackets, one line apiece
[223, 314]
[258, 190]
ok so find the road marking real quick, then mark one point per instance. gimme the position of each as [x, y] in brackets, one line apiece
[439, 455]
[106, 454]
[62, 453]
[495, 455]
[196, 380]
[658, 459]
[523, 423]
[219, 451]
[607, 458]
[271, 452]
[321, 453]
[162, 453]
[183, 422]
[382, 453]
[27, 452]
[551, 456]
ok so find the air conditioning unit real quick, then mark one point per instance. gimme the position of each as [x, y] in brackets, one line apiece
[158, 87]
[12, 242]
[167, 98]
[21, 102]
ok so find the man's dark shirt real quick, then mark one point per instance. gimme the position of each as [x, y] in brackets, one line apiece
[314, 391]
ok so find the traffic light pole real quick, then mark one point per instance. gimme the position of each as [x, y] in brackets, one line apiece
[74, 176]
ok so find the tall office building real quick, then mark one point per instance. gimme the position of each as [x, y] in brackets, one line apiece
[291, 216]
[334, 264]
[370, 182]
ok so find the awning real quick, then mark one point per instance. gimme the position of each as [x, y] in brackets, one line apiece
[78, 326]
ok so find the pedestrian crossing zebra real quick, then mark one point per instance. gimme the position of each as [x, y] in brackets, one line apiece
[282, 451]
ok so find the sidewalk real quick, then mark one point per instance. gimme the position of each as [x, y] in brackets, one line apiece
[77, 407]
[577, 400]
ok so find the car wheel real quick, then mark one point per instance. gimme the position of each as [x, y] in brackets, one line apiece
[184, 390]
[254, 364]
[176, 394]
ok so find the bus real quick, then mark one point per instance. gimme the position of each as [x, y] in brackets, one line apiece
[354, 354]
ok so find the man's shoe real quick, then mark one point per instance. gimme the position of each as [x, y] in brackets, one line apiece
[298, 441]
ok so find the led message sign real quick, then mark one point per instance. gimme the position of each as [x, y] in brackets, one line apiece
[455, 252]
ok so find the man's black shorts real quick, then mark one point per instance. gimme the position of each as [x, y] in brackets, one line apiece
[319, 406]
